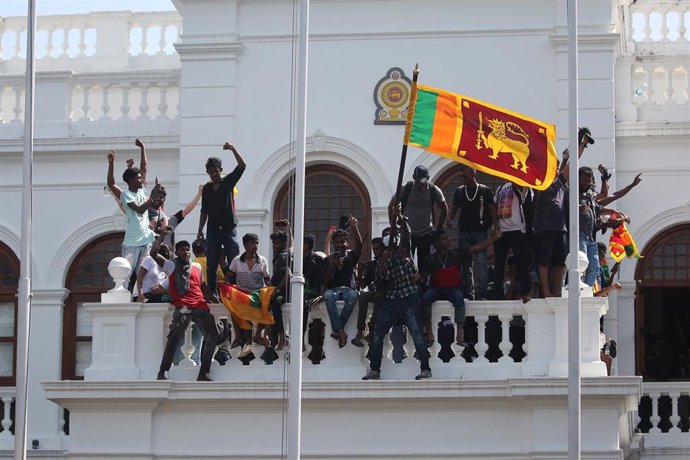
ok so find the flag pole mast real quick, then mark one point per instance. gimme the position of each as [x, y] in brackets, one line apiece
[24, 288]
[408, 125]
[574, 388]
[297, 280]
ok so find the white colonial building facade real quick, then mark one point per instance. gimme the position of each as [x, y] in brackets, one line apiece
[185, 82]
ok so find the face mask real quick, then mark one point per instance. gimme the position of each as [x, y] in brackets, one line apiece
[386, 240]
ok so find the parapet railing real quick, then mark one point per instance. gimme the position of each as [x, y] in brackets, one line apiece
[664, 414]
[7, 397]
[508, 339]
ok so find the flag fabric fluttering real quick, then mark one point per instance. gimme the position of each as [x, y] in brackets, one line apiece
[490, 138]
[621, 243]
[247, 305]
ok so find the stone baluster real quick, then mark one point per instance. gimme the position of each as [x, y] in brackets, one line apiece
[647, 30]
[82, 42]
[105, 104]
[125, 108]
[18, 89]
[144, 105]
[62, 422]
[85, 106]
[482, 347]
[681, 25]
[2, 93]
[664, 26]
[163, 101]
[6, 420]
[505, 346]
[675, 418]
[144, 38]
[638, 420]
[187, 349]
[17, 45]
[49, 43]
[161, 39]
[525, 346]
[654, 419]
[651, 92]
[65, 42]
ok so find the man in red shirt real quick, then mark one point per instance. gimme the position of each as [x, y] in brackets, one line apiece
[188, 293]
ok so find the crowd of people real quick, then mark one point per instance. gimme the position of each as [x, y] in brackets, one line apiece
[413, 265]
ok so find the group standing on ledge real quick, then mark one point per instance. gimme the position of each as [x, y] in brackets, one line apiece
[526, 229]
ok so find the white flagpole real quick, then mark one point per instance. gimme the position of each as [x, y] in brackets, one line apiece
[24, 297]
[297, 280]
[574, 389]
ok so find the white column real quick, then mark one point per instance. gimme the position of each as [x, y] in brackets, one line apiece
[45, 358]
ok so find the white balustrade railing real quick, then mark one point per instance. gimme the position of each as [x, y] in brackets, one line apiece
[128, 340]
[94, 35]
[659, 21]
[7, 397]
[664, 414]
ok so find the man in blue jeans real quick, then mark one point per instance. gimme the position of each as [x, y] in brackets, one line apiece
[475, 202]
[398, 274]
[218, 207]
[338, 280]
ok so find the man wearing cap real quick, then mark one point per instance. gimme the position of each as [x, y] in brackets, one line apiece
[418, 199]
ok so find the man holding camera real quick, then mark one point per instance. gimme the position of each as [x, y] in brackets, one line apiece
[338, 281]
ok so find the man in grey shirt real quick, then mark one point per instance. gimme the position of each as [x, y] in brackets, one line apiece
[418, 200]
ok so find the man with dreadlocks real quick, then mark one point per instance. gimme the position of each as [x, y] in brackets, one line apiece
[188, 293]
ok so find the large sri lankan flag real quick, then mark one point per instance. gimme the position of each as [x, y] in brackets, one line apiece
[621, 243]
[247, 305]
[492, 139]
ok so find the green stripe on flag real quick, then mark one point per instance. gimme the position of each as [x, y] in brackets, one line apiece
[255, 299]
[423, 120]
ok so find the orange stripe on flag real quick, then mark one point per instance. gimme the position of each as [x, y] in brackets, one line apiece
[445, 122]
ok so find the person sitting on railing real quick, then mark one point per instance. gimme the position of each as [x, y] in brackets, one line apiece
[442, 273]
[248, 271]
[338, 279]
[282, 263]
[135, 202]
[151, 277]
[189, 294]
[368, 292]
[397, 272]
[313, 267]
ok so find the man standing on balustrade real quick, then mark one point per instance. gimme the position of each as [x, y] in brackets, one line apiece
[475, 203]
[398, 274]
[189, 294]
[135, 203]
[218, 208]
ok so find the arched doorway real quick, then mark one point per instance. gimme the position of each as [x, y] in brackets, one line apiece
[330, 192]
[662, 306]
[9, 281]
[87, 278]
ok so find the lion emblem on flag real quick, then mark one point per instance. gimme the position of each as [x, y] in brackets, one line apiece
[505, 137]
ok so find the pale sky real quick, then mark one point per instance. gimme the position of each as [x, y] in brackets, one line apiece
[43, 7]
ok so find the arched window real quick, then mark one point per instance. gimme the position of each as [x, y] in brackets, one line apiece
[662, 306]
[87, 278]
[9, 281]
[330, 192]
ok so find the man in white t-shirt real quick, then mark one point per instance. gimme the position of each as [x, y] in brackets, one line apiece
[510, 202]
[249, 271]
[151, 277]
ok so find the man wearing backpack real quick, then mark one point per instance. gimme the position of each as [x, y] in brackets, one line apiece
[418, 200]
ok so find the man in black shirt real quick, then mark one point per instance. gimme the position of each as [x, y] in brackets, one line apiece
[282, 260]
[475, 202]
[369, 293]
[338, 280]
[218, 207]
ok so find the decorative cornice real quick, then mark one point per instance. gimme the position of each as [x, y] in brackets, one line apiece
[191, 50]
[49, 297]
[653, 129]
[586, 42]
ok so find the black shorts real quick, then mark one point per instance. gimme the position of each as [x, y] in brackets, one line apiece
[550, 248]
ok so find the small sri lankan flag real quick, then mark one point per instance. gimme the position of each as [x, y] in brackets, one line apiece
[247, 305]
[621, 243]
[490, 138]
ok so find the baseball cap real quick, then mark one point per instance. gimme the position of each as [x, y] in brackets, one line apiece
[420, 172]
[199, 245]
[581, 134]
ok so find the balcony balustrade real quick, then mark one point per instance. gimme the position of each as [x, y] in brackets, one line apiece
[664, 415]
[7, 396]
